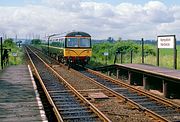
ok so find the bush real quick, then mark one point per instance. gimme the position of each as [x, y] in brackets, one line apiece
[8, 43]
[36, 41]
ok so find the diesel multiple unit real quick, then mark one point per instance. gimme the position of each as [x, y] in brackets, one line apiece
[73, 48]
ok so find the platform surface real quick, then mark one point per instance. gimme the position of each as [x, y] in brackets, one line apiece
[170, 73]
[17, 96]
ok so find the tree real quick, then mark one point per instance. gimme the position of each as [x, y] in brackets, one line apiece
[119, 39]
[9, 43]
[36, 41]
[110, 39]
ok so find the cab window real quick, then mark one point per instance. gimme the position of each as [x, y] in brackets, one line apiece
[72, 42]
[84, 42]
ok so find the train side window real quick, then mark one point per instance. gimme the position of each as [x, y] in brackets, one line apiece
[61, 42]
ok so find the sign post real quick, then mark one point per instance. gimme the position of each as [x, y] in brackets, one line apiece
[168, 42]
[1, 53]
[106, 55]
[142, 42]
[14, 54]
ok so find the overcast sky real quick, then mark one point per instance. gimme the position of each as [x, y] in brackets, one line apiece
[129, 19]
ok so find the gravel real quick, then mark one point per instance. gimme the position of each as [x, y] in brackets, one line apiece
[115, 109]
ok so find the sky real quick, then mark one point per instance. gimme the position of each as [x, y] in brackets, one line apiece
[128, 19]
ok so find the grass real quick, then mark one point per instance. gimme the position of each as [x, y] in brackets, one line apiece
[15, 60]
[166, 58]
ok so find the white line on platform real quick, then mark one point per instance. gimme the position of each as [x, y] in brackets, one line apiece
[41, 108]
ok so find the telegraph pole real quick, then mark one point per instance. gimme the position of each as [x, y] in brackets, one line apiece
[1, 54]
[142, 43]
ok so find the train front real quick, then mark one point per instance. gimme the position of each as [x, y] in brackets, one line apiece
[77, 48]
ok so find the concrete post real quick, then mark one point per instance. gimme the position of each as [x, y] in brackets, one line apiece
[165, 89]
[130, 78]
[145, 83]
[117, 73]
[109, 73]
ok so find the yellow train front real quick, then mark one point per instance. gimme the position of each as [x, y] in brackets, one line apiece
[77, 48]
[73, 48]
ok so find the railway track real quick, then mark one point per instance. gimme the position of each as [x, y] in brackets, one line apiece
[47, 107]
[114, 108]
[158, 107]
[67, 103]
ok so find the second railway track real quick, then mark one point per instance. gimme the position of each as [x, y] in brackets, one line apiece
[159, 107]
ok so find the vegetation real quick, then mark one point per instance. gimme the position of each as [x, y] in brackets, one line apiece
[15, 54]
[125, 47]
[36, 41]
[99, 50]
[9, 43]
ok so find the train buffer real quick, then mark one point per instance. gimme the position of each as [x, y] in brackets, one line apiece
[19, 101]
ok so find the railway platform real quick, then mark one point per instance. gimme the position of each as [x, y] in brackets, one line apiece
[164, 80]
[152, 77]
[19, 99]
[150, 69]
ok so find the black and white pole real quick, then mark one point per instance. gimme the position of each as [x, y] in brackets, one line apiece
[1, 53]
[175, 53]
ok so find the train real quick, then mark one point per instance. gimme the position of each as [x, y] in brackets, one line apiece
[72, 48]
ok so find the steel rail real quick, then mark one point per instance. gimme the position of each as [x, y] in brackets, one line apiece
[91, 106]
[162, 100]
[58, 116]
[154, 97]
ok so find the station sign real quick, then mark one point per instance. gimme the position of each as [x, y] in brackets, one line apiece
[167, 41]
[106, 53]
[14, 54]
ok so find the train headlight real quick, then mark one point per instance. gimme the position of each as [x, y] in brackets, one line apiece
[70, 59]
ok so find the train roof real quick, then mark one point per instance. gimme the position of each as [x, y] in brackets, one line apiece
[74, 34]
[70, 34]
